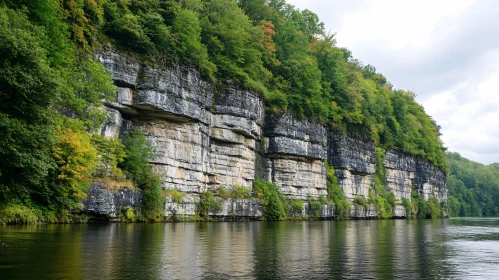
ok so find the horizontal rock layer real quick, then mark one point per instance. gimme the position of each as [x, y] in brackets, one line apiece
[104, 201]
[206, 137]
[202, 140]
[295, 151]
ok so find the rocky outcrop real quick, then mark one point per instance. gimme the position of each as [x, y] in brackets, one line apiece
[295, 151]
[237, 208]
[110, 203]
[399, 168]
[430, 181]
[354, 163]
[104, 201]
[206, 137]
[202, 140]
[235, 129]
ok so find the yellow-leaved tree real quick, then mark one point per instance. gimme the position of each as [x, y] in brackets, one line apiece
[75, 158]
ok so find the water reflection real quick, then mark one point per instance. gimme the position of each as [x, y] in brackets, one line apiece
[387, 249]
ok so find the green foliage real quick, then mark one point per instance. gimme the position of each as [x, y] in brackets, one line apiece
[138, 154]
[18, 214]
[419, 205]
[223, 193]
[153, 199]
[383, 206]
[136, 166]
[315, 207]
[207, 203]
[75, 158]
[176, 195]
[240, 192]
[408, 207]
[110, 153]
[130, 215]
[336, 195]
[435, 208]
[272, 199]
[295, 207]
[360, 201]
[473, 187]
[28, 91]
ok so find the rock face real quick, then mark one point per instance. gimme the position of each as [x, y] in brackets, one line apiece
[430, 181]
[354, 163]
[202, 140]
[102, 201]
[206, 137]
[295, 152]
[111, 203]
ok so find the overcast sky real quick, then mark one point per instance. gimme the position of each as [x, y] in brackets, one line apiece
[446, 51]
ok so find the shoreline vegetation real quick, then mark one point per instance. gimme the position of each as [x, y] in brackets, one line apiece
[51, 94]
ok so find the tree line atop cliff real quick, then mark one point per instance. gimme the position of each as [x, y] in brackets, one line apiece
[51, 89]
[266, 45]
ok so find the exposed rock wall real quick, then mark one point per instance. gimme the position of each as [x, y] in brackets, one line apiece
[430, 181]
[207, 137]
[110, 203]
[202, 140]
[107, 202]
[354, 163]
[295, 151]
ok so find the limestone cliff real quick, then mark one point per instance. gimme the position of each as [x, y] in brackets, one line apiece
[206, 137]
[202, 139]
[295, 151]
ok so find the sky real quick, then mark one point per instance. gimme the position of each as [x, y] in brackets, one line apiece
[446, 51]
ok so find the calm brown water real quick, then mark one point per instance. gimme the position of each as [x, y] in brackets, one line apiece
[378, 249]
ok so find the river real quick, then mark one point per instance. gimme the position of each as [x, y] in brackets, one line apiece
[454, 248]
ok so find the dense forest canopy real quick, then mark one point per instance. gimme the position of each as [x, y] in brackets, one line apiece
[473, 187]
[51, 89]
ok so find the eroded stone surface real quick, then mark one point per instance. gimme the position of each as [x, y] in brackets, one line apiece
[354, 162]
[295, 151]
[101, 200]
[430, 181]
[206, 139]
[400, 168]
[241, 208]
[202, 140]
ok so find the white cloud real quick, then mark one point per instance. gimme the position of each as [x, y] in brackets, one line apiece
[470, 125]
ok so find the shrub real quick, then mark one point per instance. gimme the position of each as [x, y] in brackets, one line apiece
[110, 153]
[207, 203]
[223, 193]
[18, 214]
[360, 200]
[138, 154]
[435, 208]
[315, 207]
[268, 193]
[295, 207]
[75, 159]
[177, 196]
[335, 194]
[240, 192]
[153, 199]
[407, 206]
